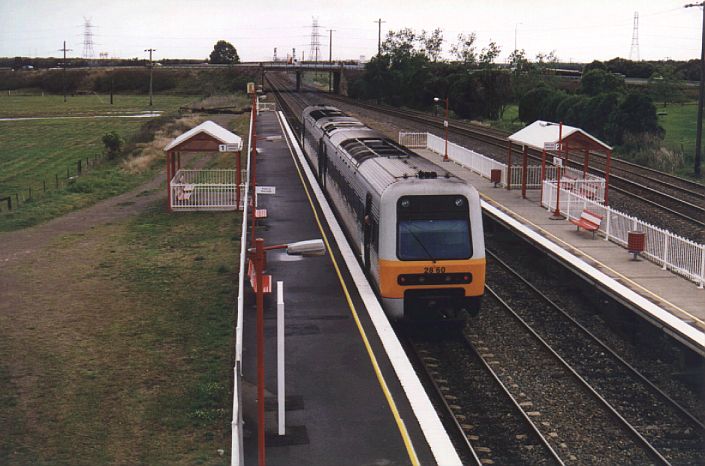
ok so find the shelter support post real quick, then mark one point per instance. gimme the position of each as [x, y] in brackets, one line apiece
[509, 167]
[178, 160]
[169, 176]
[543, 172]
[238, 177]
[524, 169]
[607, 176]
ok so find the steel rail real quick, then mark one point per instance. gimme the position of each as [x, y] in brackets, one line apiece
[655, 389]
[608, 407]
[450, 415]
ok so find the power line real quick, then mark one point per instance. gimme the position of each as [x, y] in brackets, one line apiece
[63, 64]
[634, 51]
[151, 69]
[315, 41]
[87, 38]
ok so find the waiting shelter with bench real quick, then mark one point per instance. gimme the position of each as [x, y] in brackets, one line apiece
[204, 189]
[557, 139]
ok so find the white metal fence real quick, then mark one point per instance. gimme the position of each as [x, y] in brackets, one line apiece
[266, 107]
[590, 185]
[237, 457]
[680, 255]
[205, 190]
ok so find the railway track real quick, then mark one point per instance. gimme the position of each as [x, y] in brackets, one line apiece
[669, 427]
[490, 425]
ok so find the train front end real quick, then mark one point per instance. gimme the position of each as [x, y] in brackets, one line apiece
[432, 256]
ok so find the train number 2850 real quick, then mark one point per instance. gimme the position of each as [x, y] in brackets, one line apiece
[434, 270]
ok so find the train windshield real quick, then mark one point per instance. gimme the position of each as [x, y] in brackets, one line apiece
[433, 228]
[434, 239]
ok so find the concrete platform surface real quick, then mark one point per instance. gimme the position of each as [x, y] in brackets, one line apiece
[338, 412]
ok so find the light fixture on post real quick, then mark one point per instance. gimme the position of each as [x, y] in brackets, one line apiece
[445, 126]
[314, 247]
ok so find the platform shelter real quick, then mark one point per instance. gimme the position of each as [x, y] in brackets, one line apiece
[213, 189]
[557, 139]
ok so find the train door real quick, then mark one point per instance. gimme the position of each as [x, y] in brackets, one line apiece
[322, 163]
[367, 231]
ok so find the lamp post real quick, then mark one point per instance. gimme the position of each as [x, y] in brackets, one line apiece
[314, 247]
[445, 126]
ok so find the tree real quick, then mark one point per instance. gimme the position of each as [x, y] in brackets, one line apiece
[464, 49]
[635, 115]
[597, 81]
[224, 53]
[489, 54]
[665, 86]
[529, 104]
[432, 43]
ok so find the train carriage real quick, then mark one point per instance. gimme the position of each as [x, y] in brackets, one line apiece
[417, 233]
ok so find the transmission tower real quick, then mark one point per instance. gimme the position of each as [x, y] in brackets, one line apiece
[87, 38]
[315, 50]
[634, 52]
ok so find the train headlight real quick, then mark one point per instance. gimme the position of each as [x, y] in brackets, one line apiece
[459, 202]
[405, 203]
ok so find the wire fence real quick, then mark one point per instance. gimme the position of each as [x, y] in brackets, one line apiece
[40, 188]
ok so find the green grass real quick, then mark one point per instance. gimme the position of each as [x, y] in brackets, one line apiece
[136, 366]
[34, 153]
[679, 123]
[54, 105]
[510, 120]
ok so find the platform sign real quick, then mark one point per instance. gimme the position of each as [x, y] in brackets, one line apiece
[551, 145]
[228, 147]
[557, 161]
[266, 189]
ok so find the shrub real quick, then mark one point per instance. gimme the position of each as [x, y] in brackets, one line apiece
[113, 143]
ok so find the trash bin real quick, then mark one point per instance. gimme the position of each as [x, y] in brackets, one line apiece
[636, 242]
[495, 176]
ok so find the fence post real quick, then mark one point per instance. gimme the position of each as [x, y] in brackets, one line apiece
[702, 269]
[281, 385]
[67, 173]
[57, 180]
[29, 189]
[79, 163]
[665, 251]
[609, 217]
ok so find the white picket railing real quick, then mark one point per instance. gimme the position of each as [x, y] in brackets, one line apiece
[593, 186]
[680, 255]
[205, 190]
[266, 107]
[413, 140]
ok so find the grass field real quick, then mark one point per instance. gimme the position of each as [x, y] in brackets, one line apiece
[124, 357]
[54, 105]
[679, 123]
[38, 154]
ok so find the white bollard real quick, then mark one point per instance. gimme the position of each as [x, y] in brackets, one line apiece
[281, 391]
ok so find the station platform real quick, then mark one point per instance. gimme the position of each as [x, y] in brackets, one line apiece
[345, 402]
[666, 299]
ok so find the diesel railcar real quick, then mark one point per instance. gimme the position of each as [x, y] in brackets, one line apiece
[416, 228]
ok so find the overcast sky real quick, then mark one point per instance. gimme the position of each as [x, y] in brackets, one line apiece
[578, 30]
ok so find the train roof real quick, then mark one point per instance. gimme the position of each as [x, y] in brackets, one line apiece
[376, 157]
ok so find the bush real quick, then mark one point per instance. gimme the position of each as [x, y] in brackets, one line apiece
[113, 143]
